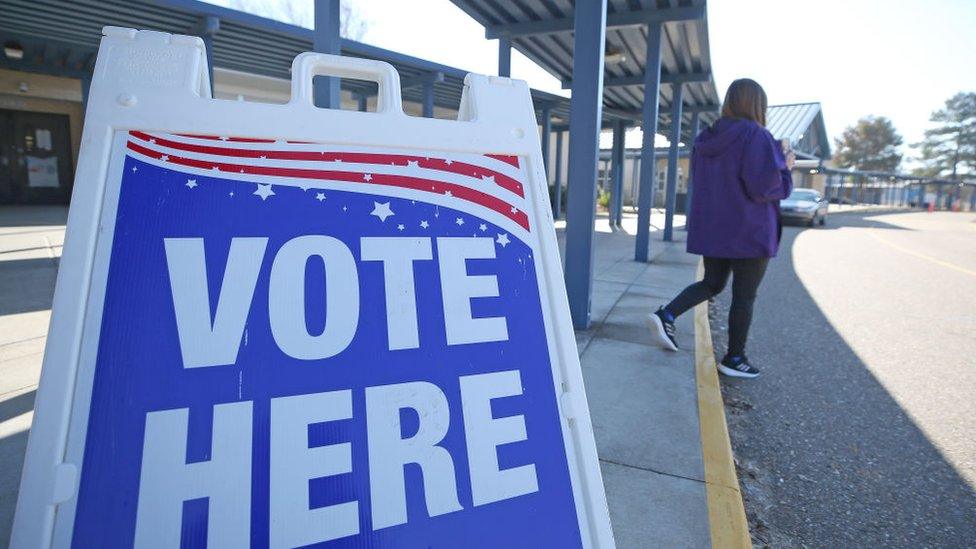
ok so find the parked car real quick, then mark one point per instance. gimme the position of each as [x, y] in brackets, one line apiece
[804, 205]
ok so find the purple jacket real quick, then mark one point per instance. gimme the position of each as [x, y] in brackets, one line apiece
[739, 175]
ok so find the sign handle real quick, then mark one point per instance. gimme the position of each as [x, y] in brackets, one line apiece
[309, 64]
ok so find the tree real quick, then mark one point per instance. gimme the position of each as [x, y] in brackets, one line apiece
[871, 144]
[949, 149]
[302, 13]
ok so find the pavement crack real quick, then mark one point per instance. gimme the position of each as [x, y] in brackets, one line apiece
[650, 470]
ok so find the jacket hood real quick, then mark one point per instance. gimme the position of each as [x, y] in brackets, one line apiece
[718, 138]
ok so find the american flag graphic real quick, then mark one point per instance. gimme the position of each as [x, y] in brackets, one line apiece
[488, 185]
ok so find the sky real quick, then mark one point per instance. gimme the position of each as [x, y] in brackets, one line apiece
[900, 59]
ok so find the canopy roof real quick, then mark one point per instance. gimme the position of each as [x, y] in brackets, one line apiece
[61, 37]
[542, 30]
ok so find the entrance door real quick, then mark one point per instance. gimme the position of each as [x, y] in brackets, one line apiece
[35, 158]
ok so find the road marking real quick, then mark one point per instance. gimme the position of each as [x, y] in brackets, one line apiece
[923, 256]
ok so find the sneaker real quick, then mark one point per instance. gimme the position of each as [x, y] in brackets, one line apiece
[662, 330]
[738, 368]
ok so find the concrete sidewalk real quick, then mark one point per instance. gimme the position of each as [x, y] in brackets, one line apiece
[643, 400]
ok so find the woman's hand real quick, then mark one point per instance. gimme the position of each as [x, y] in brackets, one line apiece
[790, 159]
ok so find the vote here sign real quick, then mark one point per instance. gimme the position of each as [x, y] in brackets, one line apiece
[307, 344]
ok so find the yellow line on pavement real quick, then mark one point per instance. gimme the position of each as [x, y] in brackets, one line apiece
[946, 264]
[726, 513]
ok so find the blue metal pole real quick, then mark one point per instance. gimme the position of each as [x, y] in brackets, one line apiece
[428, 100]
[207, 28]
[85, 88]
[671, 191]
[546, 133]
[557, 206]
[505, 57]
[652, 87]
[617, 177]
[325, 39]
[585, 114]
[695, 128]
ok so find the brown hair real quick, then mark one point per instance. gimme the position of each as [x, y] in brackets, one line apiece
[745, 99]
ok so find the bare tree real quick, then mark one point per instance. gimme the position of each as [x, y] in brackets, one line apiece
[352, 24]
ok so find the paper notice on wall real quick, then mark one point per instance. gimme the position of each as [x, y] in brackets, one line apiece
[43, 139]
[42, 172]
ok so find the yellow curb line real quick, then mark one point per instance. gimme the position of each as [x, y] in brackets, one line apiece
[726, 513]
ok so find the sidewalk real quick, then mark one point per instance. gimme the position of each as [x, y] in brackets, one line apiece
[643, 400]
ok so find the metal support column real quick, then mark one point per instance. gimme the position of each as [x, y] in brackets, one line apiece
[856, 191]
[85, 88]
[671, 191]
[652, 87]
[428, 100]
[207, 28]
[938, 197]
[616, 204]
[325, 39]
[546, 133]
[505, 57]
[585, 114]
[557, 204]
[695, 129]
[972, 199]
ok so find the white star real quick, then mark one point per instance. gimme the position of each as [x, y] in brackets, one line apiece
[448, 161]
[381, 211]
[264, 191]
[483, 227]
[368, 177]
[337, 159]
[400, 227]
[232, 193]
[514, 209]
[459, 221]
[215, 168]
[488, 179]
[303, 186]
[135, 169]
[344, 208]
[413, 164]
[191, 183]
[503, 239]
[164, 158]
[448, 193]
[223, 138]
[263, 157]
[424, 224]
[152, 140]
[320, 197]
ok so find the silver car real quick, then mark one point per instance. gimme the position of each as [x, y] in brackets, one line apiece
[804, 205]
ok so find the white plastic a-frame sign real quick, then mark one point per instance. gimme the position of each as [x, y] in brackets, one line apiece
[280, 326]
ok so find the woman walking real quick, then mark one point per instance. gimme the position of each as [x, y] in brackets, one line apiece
[740, 174]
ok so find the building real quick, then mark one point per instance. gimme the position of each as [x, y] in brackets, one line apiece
[802, 125]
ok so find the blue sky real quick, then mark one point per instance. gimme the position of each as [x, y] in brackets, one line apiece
[857, 57]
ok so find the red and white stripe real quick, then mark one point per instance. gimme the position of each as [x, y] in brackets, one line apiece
[492, 182]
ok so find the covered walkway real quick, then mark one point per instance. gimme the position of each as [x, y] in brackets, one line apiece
[640, 57]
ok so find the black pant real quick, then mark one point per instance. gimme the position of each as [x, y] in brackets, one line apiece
[746, 276]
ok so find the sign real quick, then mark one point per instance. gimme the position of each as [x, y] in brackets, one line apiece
[325, 338]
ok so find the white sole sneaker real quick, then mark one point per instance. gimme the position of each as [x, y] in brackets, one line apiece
[732, 372]
[658, 334]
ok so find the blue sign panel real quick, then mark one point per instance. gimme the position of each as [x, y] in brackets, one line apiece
[342, 350]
